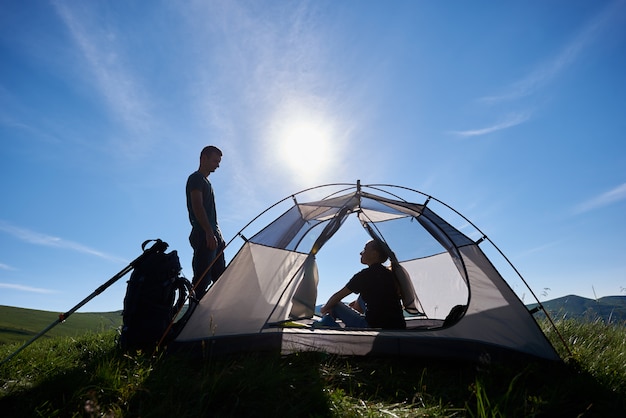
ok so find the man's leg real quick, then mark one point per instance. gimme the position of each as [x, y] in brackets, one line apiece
[200, 262]
[217, 262]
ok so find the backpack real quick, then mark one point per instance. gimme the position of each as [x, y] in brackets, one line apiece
[155, 294]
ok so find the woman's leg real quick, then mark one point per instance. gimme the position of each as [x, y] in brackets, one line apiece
[349, 316]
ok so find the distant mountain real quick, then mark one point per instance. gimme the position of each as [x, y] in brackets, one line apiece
[608, 309]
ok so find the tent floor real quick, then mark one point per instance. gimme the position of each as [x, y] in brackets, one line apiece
[351, 342]
[412, 323]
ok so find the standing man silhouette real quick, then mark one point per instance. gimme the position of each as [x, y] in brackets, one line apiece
[205, 238]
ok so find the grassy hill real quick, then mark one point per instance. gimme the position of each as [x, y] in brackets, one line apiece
[19, 324]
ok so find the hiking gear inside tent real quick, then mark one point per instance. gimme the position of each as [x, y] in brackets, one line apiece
[457, 304]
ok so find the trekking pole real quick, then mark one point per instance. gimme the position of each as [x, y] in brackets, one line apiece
[157, 246]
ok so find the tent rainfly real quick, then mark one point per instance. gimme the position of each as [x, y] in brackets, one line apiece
[457, 305]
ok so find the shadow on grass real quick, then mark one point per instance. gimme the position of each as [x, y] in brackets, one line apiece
[315, 384]
[305, 384]
[251, 385]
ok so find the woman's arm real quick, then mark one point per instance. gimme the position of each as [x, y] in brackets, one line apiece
[335, 299]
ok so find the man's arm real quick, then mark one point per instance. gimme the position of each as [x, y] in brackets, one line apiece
[335, 299]
[203, 220]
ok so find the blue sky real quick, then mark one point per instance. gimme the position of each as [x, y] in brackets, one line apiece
[512, 113]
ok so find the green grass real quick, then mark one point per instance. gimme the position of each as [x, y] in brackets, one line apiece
[88, 376]
[19, 325]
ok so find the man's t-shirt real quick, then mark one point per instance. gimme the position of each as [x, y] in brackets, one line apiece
[377, 286]
[197, 181]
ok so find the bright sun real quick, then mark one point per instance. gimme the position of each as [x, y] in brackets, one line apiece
[304, 145]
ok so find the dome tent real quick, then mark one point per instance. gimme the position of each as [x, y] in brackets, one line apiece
[457, 304]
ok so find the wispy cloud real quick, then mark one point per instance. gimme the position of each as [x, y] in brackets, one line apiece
[563, 59]
[6, 267]
[12, 115]
[548, 70]
[538, 249]
[605, 199]
[22, 288]
[119, 87]
[37, 238]
[511, 120]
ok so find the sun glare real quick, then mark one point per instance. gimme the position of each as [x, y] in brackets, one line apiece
[304, 146]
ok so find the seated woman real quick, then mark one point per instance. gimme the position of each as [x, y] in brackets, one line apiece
[379, 296]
